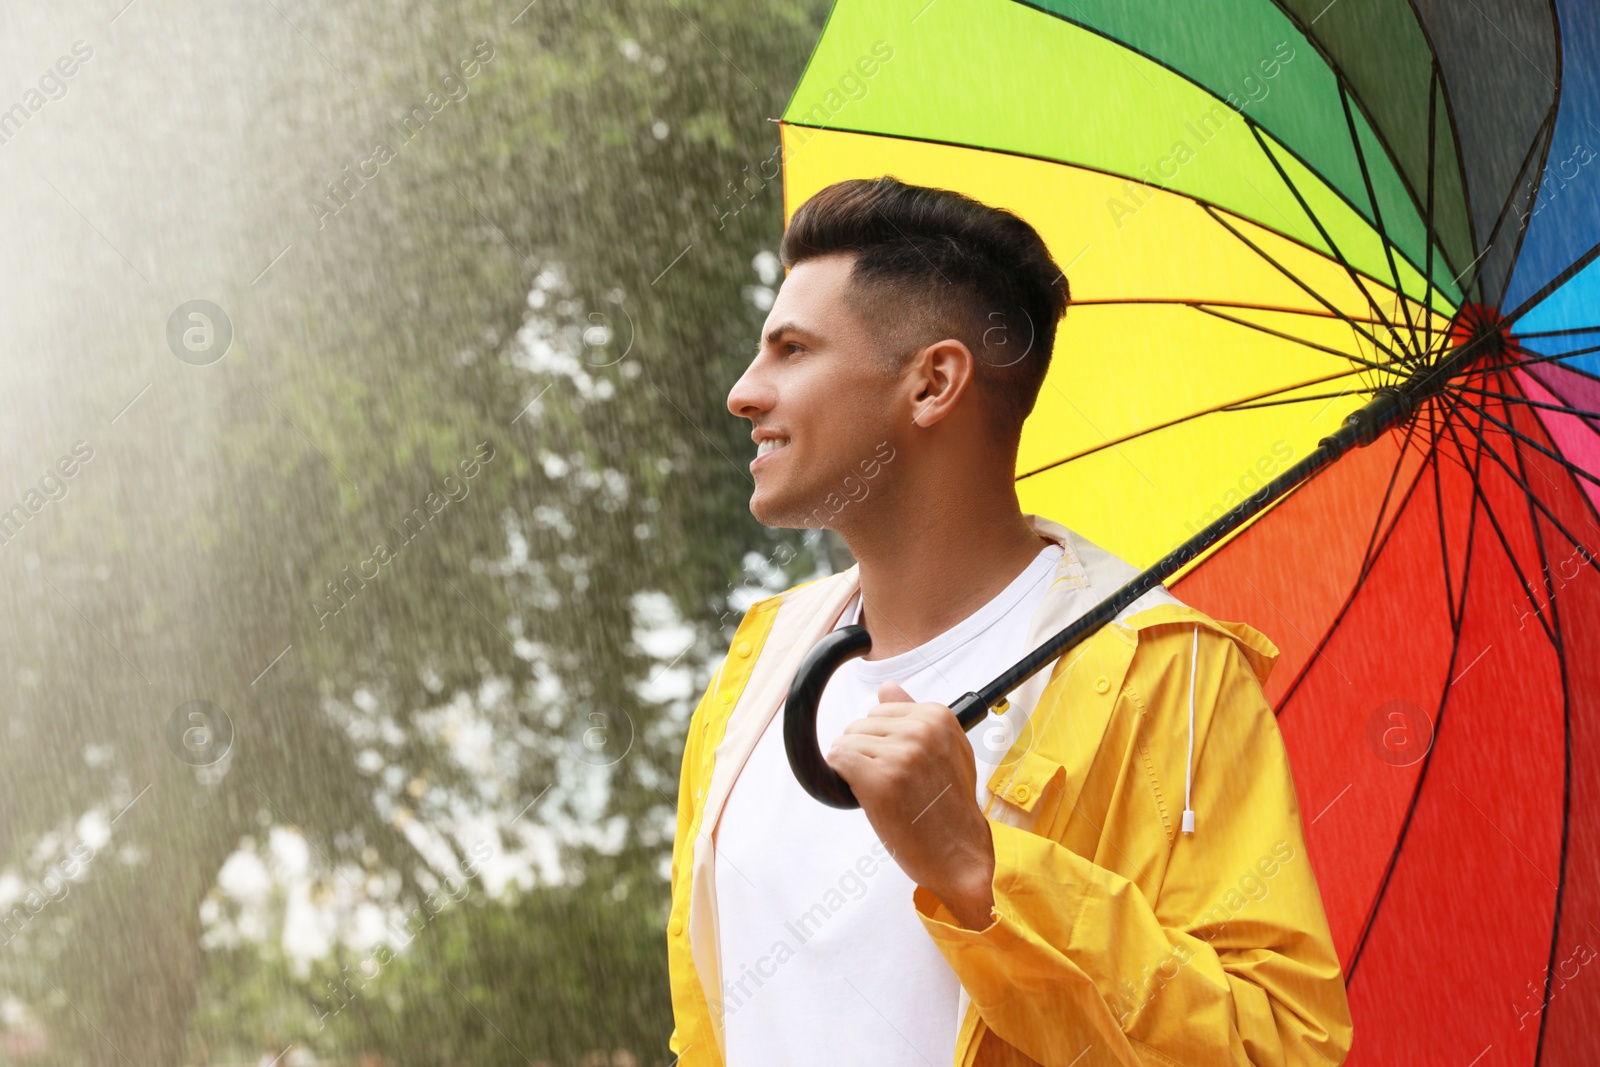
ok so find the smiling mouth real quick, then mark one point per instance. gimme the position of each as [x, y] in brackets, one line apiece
[771, 444]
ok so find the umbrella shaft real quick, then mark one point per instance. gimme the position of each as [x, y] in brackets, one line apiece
[1360, 428]
[1391, 405]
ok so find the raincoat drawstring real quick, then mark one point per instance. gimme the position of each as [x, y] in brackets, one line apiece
[1188, 769]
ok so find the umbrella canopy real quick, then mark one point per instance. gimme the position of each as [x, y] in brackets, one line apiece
[1266, 212]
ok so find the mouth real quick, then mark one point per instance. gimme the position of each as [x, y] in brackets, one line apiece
[766, 447]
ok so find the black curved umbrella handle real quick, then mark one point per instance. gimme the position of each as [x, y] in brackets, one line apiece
[800, 714]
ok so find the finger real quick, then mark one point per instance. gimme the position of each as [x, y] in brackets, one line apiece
[877, 726]
[882, 715]
[847, 763]
[885, 723]
[893, 693]
[892, 709]
[858, 746]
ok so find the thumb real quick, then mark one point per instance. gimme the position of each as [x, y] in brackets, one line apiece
[892, 693]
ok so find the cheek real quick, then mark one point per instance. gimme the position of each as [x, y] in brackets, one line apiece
[837, 418]
[844, 430]
[857, 400]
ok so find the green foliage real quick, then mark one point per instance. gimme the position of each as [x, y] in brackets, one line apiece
[552, 978]
[370, 364]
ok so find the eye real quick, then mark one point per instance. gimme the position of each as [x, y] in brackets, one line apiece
[794, 345]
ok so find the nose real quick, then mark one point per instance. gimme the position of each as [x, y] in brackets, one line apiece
[751, 395]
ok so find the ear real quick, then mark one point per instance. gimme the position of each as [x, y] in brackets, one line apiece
[939, 375]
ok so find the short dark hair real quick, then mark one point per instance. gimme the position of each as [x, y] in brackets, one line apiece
[934, 263]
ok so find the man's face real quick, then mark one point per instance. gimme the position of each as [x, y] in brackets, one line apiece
[819, 399]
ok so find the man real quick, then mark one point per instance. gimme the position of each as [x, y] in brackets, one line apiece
[1110, 871]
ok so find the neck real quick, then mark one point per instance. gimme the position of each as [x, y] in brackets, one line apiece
[930, 560]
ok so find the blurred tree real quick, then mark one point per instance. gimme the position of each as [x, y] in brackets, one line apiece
[559, 266]
[550, 976]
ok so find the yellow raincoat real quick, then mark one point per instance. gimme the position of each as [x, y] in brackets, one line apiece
[1116, 938]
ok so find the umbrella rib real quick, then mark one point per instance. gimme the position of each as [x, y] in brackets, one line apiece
[1555, 283]
[1538, 540]
[1519, 435]
[1543, 133]
[967, 146]
[1377, 215]
[1531, 360]
[1534, 356]
[1389, 151]
[1174, 422]
[1428, 219]
[1451, 410]
[1494, 522]
[1521, 335]
[1588, 554]
[1521, 483]
[1127, 46]
[1377, 128]
[1293, 400]
[1297, 340]
[1333, 246]
[1197, 201]
[1565, 409]
[1313, 312]
[1427, 759]
[1512, 383]
[1444, 543]
[1433, 409]
[1355, 589]
[1369, 554]
[1566, 748]
[1309, 291]
[1549, 387]
[1568, 367]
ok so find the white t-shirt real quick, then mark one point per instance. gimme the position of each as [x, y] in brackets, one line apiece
[823, 957]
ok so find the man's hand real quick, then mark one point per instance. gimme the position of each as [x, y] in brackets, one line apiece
[912, 768]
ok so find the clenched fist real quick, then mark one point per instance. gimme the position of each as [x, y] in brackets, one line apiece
[912, 768]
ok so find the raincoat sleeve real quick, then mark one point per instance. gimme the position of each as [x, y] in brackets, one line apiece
[1209, 948]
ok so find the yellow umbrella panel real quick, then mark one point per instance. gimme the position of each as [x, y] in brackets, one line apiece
[1218, 319]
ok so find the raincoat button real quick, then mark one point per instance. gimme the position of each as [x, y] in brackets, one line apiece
[1101, 684]
[675, 927]
[727, 698]
[1022, 793]
[743, 649]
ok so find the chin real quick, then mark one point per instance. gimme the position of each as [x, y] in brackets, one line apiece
[771, 509]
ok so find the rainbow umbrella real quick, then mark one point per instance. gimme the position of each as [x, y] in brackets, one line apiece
[1267, 213]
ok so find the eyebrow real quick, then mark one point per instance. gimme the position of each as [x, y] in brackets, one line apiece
[776, 333]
